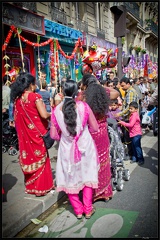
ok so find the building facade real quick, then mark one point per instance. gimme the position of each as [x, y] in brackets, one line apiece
[95, 21]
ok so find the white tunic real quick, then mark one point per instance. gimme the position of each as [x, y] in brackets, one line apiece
[71, 177]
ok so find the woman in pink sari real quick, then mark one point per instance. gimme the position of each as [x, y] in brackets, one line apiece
[77, 161]
[98, 100]
[30, 111]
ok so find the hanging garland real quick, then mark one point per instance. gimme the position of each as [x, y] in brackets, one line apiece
[8, 38]
[52, 60]
[6, 58]
[78, 44]
[13, 29]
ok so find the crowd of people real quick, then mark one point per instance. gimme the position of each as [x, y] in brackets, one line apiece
[77, 116]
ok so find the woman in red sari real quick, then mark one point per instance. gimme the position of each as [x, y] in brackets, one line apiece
[30, 111]
[98, 100]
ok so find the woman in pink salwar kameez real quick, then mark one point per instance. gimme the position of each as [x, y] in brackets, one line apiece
[77, 160]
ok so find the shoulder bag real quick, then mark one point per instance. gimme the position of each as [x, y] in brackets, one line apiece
[48, 141]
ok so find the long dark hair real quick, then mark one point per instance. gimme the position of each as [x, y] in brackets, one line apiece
[95, 95]
[22, 83]
[70, 90]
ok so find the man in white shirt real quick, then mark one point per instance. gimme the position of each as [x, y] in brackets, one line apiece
[5, 94]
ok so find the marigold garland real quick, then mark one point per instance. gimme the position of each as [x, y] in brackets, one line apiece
[8, 38]
[49, 41]
[13, 29]
[52, 60]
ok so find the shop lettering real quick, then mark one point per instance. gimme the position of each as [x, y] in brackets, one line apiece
[62, 30]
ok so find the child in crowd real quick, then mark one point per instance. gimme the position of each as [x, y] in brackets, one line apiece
[135, 133]
[113, 109]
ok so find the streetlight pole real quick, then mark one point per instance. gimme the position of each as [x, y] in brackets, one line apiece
[119, 56]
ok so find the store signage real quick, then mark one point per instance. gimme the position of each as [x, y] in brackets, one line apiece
[62, 30]
[21, 18]
[100, 42]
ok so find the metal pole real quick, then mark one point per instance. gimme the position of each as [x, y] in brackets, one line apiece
[119, 56]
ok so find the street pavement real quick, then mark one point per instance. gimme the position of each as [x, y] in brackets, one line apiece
[19, 208]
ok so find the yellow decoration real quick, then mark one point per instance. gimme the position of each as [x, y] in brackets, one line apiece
[6, 57]
[7, 65]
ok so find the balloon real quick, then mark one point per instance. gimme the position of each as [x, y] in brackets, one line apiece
[97, 59]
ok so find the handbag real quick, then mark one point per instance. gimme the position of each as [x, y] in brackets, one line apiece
[48, 141]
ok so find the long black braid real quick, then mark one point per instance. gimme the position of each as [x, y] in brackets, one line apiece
[70, 115]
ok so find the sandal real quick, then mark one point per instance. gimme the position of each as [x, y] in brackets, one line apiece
[88, 216]
[79, 216]
[108, 199]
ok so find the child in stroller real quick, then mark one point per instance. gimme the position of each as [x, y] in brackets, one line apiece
[9, 137]
[117, 152]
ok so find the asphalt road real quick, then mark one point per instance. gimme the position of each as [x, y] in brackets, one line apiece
[132, 212]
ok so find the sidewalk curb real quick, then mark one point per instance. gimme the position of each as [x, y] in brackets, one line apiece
[20, 208]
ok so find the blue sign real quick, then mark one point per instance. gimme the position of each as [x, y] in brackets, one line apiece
[62, 30]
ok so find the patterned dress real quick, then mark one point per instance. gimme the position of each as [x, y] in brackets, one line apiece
[33, 155]
[101, 138]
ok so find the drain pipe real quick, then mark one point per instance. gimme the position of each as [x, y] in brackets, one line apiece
[97, 13]
[77, 10]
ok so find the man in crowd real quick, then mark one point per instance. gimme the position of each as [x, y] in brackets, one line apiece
[6, 94]
[130, 96]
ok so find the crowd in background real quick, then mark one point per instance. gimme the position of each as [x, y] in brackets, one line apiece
[29, 102]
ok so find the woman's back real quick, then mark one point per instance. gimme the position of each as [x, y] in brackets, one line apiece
[81, 169]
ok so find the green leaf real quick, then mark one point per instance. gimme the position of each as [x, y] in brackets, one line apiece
[19, 30]
[36, 221]
[38, 38]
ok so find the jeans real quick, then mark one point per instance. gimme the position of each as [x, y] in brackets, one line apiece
[11, 116]
[137, 150]
[127, 140]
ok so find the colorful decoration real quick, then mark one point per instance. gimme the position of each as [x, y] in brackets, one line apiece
[8, 38]
[47, 62]
[97, 59]
[52, 60]
[6, 58]
[78, 44]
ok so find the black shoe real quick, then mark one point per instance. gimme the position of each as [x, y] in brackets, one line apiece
[140, 163]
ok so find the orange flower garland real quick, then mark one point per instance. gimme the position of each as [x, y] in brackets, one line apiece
[78, 43]
[52, 60]
[53, 64]
[8, 38]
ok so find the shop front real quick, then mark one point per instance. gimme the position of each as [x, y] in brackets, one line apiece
[61, 57]
[14, 50]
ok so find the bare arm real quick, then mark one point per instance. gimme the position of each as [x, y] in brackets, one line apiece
[92, 122]
[42, 109]
[113, 94]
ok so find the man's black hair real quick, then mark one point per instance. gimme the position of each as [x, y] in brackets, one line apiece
[125, 80]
